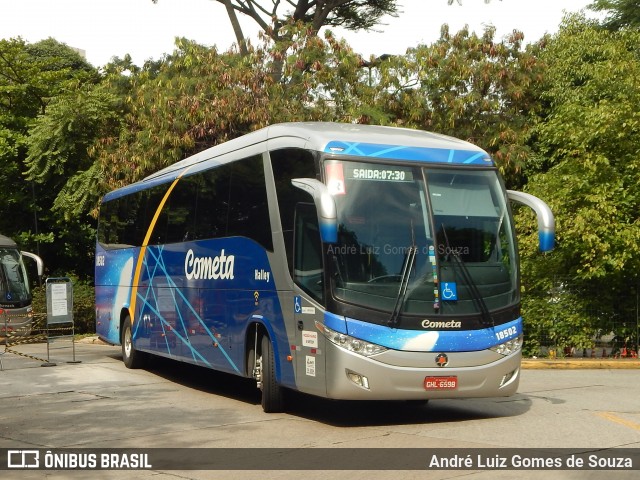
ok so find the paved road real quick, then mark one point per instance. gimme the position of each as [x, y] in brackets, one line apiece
[98, 403]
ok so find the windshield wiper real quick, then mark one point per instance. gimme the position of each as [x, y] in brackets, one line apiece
[407, 267]
[338, 271]
[476, 296]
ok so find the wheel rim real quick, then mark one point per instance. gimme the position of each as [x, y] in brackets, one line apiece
[259, 368]
[127, 342]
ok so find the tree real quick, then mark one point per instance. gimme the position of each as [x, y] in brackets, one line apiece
[466, 85]
[460, 1]
[30, 76]
[271, 16]
[587, 167]
[59, 146]
[469, 86]
[191, 99]
[198, 97]
[620, 13]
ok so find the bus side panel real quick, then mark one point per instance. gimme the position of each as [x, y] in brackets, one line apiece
[113, 279]
[195, 301]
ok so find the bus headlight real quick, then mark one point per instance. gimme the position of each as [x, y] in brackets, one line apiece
[349, 343]
[509, 347]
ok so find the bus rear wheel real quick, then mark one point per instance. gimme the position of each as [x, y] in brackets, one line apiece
[130, 356]
[272, 393]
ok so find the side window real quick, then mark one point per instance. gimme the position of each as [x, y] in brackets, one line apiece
[124, 221]
[248, 207]
[159, 233]
[288, 164]
[230, 200]
[196, 209]
[180, 210]
[307, 268]
[109, 224]
[211, 205]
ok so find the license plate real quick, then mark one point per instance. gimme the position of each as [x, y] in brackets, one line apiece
[441, 383]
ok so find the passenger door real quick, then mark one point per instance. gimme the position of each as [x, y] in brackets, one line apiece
[308, 275]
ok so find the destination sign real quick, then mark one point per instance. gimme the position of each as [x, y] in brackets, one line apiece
[383, 174]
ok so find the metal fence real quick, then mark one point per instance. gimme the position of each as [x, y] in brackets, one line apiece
[17, 329]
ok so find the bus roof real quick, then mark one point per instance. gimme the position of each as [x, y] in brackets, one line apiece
[7, 242]
[370, 141]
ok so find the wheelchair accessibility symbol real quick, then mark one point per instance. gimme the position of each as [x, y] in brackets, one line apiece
[297, 304]
[449, 291]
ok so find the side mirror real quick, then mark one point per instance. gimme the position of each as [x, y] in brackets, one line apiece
[39, 264]
[325, 206]
[546, 221]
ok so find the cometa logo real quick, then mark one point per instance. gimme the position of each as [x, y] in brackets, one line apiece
[442, 360]
[435, 325]
[208, 268]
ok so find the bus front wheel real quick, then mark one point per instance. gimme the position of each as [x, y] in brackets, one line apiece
[130, 356]
[272, 394]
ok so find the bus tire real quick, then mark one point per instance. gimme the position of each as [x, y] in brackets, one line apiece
[272, 393]
[130, 356]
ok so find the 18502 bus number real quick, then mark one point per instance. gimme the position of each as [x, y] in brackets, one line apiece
[506, 333]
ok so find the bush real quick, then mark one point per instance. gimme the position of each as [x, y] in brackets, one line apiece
[84, 313]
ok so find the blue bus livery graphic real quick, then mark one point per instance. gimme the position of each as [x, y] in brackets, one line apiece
[416, 154]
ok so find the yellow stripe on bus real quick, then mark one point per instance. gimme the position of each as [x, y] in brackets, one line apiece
[143, 248]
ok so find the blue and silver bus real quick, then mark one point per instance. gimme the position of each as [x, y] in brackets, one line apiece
[343, 261]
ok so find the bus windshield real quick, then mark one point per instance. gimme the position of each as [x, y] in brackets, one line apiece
[14, 287]
[421, 241]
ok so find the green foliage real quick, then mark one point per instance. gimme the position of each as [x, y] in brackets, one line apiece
[587, 142]
[353, 15]
[58, 60]
[59, 145]
[468, 86]
[33, 76]
[590, 137]
[193, 98]
[198, 97]
[620, 13]
[33, 73]
[560, 117]
[84, 312]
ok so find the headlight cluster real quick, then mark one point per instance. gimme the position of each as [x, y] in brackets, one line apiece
[508, 348]
[350, 343]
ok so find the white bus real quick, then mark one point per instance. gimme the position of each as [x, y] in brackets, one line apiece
[343, 261]
[16, 312]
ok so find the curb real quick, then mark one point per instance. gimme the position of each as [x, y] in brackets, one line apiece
[581, 363]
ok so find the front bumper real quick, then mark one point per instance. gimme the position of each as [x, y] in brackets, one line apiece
[401, 375]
